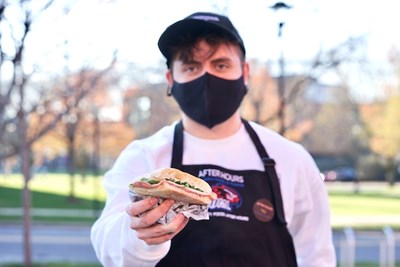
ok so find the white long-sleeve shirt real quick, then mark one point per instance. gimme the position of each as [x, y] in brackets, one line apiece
[304, 195]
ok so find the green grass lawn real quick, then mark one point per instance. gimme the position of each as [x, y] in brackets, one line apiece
[88, 187]
[52, 191]
[374, 206]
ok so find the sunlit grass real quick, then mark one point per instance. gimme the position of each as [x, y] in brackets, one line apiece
[52, 191]
[373, 205]
[88, 187]
[346, 204]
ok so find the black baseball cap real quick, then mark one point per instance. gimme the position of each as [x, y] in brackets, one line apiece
[197, 21]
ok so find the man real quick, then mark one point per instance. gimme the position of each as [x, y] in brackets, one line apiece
[272, 207]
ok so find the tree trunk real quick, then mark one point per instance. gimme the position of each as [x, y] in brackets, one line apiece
[71, 168]
[27, 225]
[26, 195]
[96, 161]
[390, 171]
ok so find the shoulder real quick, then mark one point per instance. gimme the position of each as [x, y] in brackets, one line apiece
[275, 142]
[283, 150]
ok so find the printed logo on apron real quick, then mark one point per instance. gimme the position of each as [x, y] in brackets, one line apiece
[263, 210]
[226, 186]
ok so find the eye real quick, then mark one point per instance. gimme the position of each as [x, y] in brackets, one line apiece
[221, 66]
[189, 68]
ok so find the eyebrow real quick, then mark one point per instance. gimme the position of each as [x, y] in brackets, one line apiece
[221, 59]
[218, 59]
[191, 61]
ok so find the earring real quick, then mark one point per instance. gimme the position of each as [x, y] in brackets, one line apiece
[169, 91]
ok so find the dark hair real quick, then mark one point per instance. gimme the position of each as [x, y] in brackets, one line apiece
[186, 43]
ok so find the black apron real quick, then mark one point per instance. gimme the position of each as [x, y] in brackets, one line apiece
[247, 226]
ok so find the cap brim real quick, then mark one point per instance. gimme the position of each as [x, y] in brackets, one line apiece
[171, 35]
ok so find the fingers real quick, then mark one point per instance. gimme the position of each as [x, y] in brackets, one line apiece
[140, 207]
[181, 225]
[160, 233]
[144, 215]
[152, 214]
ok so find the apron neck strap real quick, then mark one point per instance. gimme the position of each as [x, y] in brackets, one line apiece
[267, 161]
[177, 147]
[269, 165]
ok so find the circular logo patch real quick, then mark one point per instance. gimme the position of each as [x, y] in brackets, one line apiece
[263, 210]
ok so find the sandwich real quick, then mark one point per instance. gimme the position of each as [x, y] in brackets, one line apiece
[192, 195]
[175, 184]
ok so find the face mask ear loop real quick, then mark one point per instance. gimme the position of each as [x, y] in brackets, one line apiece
[169, 91]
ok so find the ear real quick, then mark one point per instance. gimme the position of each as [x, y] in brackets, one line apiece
[246, 72]
[170, 79]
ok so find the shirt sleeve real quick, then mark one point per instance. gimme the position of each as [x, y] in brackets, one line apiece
[114, 242]
[310, 225]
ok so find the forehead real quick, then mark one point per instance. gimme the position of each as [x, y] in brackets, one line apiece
[203, 50]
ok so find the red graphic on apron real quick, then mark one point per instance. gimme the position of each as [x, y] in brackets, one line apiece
[227, 198]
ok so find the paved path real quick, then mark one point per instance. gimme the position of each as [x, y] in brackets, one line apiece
[71, 243]
[337, 220]
[50, 243]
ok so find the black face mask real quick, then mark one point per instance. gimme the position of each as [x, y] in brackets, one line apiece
[209, 100]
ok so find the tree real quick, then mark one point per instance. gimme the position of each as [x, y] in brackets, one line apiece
[262, 99]
[385, 133]
[87, 83]
[382, 118]
[27, 92]
[15, 33]
[264, 104]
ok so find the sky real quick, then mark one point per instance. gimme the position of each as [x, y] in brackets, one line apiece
[95, 28]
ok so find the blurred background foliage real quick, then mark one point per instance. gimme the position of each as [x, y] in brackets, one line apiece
[77, 118]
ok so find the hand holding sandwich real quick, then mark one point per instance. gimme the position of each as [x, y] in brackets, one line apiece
[146, 227]
[163, 202]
